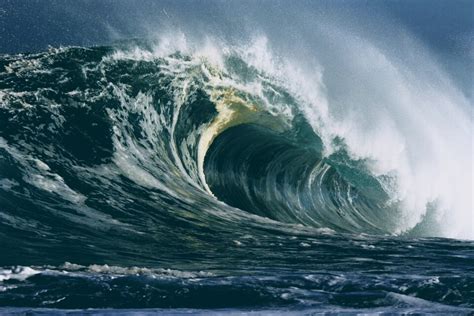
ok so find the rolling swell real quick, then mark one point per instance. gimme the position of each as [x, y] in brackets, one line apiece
[118, 155]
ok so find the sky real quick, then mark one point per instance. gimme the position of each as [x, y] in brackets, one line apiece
[445, 27]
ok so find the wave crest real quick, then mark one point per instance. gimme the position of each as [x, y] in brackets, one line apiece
[233, 123]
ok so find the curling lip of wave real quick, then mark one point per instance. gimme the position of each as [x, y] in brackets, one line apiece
[405, 171]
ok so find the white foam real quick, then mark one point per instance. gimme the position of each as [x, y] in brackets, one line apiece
[17, 273]
[39, 174]
[134, 270]
[7, 184]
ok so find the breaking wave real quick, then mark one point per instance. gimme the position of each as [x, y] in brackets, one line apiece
[235, 132]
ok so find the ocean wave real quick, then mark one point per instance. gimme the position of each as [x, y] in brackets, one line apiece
[175, 173]
[171, 118]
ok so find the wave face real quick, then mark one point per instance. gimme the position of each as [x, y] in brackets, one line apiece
[226, 178]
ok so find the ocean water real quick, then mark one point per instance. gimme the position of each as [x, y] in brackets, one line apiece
[179, 176]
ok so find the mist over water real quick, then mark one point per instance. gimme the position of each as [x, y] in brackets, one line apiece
[239, 156]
